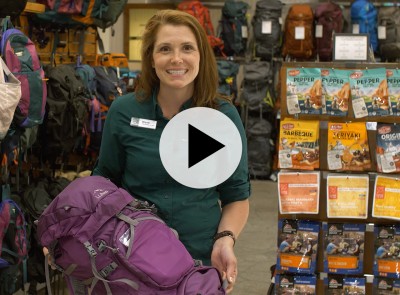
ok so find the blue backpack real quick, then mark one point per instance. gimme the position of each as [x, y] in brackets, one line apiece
[365, 14]
[20, 55]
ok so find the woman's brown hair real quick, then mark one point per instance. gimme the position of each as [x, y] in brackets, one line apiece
[206, 82]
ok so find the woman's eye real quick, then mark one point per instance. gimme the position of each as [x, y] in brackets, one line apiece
[164, 49]
[188, 48]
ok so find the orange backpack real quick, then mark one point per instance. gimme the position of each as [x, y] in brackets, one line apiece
[199, 11]
[299, 32]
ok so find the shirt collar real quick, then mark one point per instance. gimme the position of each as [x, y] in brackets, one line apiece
[157, 112]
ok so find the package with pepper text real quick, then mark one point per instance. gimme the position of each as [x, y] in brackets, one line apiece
[336, 91]
[369, 93]
[304, 91]
[393, 80]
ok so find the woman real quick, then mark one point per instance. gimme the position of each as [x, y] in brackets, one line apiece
[178, 72]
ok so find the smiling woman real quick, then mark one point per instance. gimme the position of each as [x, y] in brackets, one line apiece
[179, 72]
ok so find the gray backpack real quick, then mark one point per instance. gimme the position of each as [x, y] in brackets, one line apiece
[389, 47]
[259, 148]
[257, 86]
[267, 28]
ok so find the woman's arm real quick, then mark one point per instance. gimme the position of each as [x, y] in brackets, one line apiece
[234, 218]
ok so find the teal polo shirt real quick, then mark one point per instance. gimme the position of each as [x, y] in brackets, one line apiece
[129, 156]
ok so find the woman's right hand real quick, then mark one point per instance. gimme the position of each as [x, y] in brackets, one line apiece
[46, 253]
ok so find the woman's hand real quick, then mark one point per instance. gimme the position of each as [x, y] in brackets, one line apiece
[49, 262]
[223, 258]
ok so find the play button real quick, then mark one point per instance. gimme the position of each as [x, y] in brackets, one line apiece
[200, 139]
[200, 147]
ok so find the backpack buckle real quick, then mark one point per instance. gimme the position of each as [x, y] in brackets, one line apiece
[89, 248]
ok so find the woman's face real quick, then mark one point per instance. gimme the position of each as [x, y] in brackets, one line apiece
[176, 57]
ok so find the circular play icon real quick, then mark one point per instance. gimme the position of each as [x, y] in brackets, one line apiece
[200, 147]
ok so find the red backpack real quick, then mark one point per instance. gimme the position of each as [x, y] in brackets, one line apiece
[329, 16]
[202, 14]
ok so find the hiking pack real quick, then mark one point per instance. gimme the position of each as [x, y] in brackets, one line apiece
[202, 14]
[10, 95]
[389, 42]
[20, 56]
[364, 18]
[233, 28]
[267, 28]
[299, 32]
[13, 245]
[227, 77]
[259, 147]
[67, 112]
[328, 20]
[98, 13]
[101, 237]
[257, 88]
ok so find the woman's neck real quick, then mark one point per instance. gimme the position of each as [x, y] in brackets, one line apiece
[172, 101]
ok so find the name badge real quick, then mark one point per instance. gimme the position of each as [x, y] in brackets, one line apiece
[143, 123]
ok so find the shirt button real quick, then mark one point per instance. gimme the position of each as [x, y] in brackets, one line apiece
[166, 197]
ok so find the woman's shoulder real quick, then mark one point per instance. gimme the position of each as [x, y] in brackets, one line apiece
[228, 108]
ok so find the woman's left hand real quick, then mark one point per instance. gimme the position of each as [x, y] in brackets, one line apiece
[223, 258]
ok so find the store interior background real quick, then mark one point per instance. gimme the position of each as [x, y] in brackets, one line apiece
[256, 247]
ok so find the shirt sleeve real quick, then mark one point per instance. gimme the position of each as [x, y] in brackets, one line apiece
[111, 160]
[237, 187]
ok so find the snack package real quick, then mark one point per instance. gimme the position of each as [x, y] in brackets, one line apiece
[386, 197]
[336, 91]
[339, 285]
[297, 246]
[298, 144]
[295, 284]
[393, 80]
[343, 248]
[348, 148]
[386, 286]
[387, 251]
[388, 147]
[369, 92]
[304, 91]
[347, 196]
[298, 192]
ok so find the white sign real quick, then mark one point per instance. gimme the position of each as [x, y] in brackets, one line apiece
[350, 47]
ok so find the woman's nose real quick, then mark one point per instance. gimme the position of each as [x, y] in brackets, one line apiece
[176, 57]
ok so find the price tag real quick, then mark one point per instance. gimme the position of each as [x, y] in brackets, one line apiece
[319, 31]
[356, 29]
[299, 33]
[266, 27]
[359, 107]
[381, 32]
[334, 160]
[244, 32]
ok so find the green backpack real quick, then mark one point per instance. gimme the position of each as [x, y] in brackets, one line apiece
[234, 27]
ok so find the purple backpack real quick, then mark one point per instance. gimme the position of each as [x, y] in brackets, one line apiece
[102, 238]
[21, 57]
